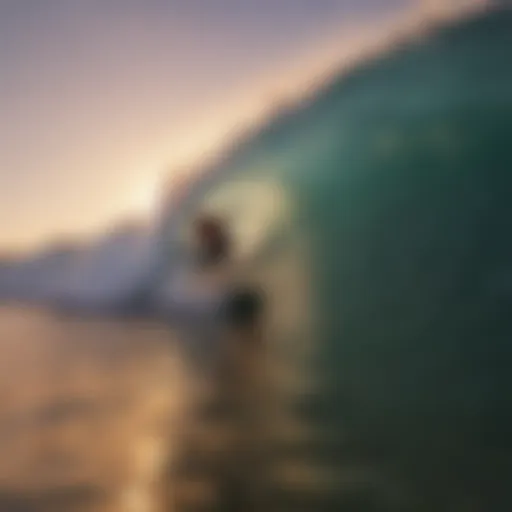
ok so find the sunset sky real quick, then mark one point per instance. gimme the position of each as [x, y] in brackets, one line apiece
[97, 97]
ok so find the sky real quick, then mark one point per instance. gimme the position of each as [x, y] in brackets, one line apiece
[100, 98]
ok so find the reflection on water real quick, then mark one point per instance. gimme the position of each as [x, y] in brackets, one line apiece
[87, 412]
[97, 415]
[108, 415]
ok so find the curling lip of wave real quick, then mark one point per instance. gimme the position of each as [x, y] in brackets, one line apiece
[116, 269]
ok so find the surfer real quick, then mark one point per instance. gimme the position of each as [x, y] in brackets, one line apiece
[234, 401]
[241, 304]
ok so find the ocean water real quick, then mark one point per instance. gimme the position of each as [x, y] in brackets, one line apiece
[393, 188]
[380, 236]
[120, 415]
[87, 412]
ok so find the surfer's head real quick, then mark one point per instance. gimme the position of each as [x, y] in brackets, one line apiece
[212, 239]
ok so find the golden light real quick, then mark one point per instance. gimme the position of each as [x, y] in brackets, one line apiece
[145, 197]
